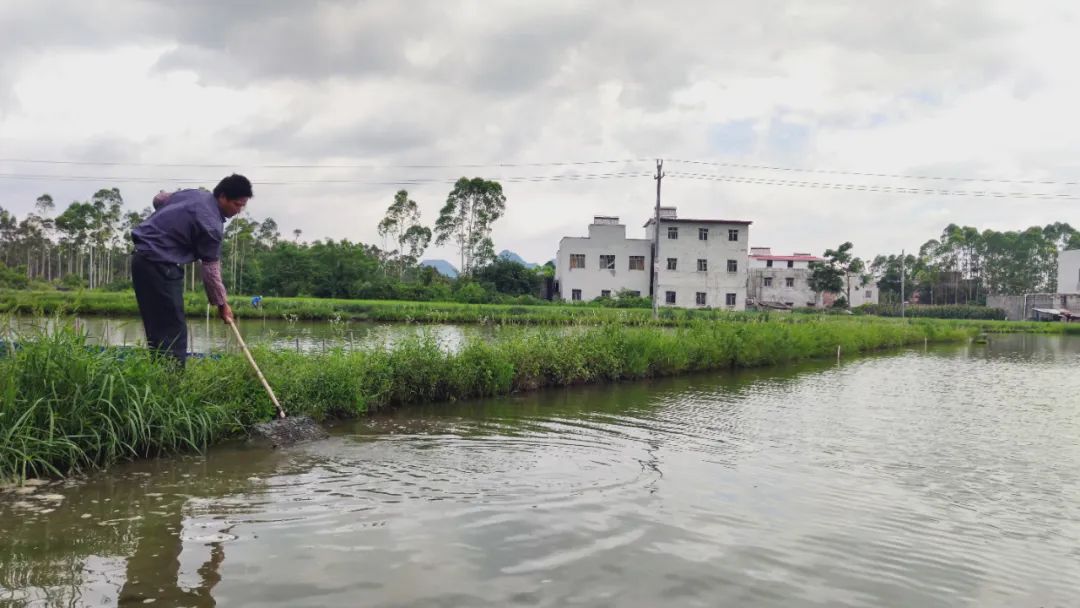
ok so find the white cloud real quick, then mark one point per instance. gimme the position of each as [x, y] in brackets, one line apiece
[981, 89]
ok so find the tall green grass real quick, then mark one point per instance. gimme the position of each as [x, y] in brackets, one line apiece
[944, 311]
[123, 303]
[388, 311]
[67, 407]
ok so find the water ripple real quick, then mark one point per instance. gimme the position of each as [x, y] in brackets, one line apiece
[940, 478]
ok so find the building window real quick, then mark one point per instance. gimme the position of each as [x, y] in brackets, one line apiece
[702, 234]
[673, 232]
[575, 295]
[789, 282]
[768, 281]
[669, 297]
[732, 235]
[732, 266]
[699, 298]
[577, 260]
[791, 263]
[768, 263]
[637, 262]
[729, 299]
[702, 266]
[672, 263]
[635, 293]
[869, 294]
[605, 293]
[607, 262]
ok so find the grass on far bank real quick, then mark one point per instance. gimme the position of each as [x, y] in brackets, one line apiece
[390, 311]
[123, 304]
[65, 407]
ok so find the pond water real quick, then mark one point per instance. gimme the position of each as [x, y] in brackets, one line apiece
[940, 477]
[213, 336]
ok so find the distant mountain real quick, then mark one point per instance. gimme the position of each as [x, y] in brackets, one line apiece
[506, 254]
[442, 267]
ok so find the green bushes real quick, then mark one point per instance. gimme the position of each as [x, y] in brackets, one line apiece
[984, 313]
[66, 407]
[13, 278]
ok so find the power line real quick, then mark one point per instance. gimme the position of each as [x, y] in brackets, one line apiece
[871, 187]
[406, 166]
[386, 182]
[886, 175]
[320, 166]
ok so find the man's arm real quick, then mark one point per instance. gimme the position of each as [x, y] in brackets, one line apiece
[215, 289]
[208, 250]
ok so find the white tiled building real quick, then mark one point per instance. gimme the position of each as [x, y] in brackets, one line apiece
[602, 263]
[702, 262]
[781, 279]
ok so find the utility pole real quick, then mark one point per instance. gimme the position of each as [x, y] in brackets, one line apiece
[659, 177]
[903, 312]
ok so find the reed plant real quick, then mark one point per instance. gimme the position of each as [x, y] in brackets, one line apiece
[66, 406]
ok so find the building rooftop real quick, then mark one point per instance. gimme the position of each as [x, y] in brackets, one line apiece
[787, 258]
[682, 220]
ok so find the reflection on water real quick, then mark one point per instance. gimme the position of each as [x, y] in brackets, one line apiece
[927, 478]
[213, 336]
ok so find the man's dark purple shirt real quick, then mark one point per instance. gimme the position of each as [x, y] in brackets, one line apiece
[190, 227]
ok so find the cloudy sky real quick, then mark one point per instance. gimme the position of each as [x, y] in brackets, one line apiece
[163, 94]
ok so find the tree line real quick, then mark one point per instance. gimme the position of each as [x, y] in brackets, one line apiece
[962, 266]
[88, 245]
[965, 265]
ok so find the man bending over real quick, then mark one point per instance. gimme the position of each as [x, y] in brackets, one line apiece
[186, 225]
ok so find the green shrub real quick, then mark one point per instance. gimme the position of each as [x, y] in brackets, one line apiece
[934, 312]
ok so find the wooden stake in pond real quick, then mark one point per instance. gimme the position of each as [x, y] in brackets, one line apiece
[298, 344]
[837, 353]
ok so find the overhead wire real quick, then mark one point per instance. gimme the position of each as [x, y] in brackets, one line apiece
[627, 173]
[321, 165]
[1042, 182]
[870, 187]
[381, 182]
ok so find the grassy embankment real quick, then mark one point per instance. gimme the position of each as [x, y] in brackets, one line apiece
[123, 303]
[388, 311]
[65, 407]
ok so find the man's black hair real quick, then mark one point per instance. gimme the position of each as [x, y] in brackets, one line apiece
[234, 187]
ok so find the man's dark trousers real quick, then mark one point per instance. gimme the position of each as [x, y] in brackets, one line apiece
[159, 290]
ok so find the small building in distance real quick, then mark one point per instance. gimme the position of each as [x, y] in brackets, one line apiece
[603, 263]
[781, 281]
[702, 262]
[862, 292]
[1069, 272]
